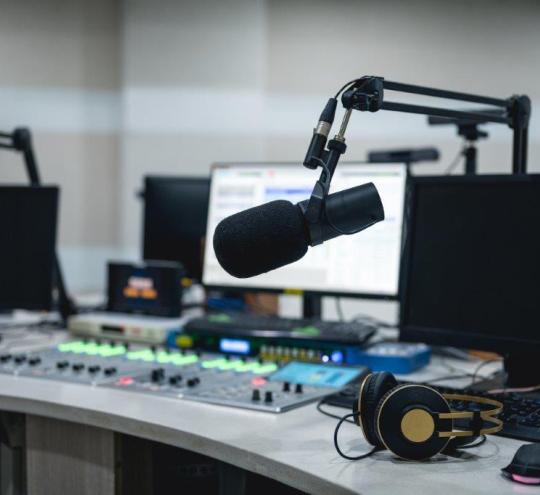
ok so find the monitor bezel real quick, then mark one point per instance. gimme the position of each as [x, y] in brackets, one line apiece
[54, 190]
[158, 179]
[444, 336]
[298, 290]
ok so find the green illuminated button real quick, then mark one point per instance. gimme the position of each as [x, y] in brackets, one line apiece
[230, 365]
[220, 318]
[213, 363]
[309, 330]
[77, 347]
[68, 346]
[141, 355]
[109, 350]
[90, 349]
[245, 367]
[185, 360]
[262, 369]
[64, 347]
[164, 357]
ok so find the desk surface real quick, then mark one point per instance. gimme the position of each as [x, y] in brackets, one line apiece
[295, 448]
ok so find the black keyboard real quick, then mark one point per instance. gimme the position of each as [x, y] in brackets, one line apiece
[355, 333]
[521, 414]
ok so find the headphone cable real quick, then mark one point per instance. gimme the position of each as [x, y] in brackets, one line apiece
[336, 445]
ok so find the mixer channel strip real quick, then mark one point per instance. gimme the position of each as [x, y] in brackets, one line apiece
[202, 377]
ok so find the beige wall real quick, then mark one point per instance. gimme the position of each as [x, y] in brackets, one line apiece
[59, 75]
[484, 46]
[118, 89]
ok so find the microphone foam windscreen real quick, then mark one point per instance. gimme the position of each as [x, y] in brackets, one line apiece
[260, 239]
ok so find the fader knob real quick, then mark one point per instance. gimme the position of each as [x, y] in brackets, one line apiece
[156, 375]
[268, 396]
[298, 389]
[175, 380]
[256, 395]
[193, 381]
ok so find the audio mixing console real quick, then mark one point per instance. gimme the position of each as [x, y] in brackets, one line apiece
[188, 375]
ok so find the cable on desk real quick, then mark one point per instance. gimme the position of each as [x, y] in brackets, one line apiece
[479, 442]
[507, 390]
[336, 444]
[371, 319]
[329, 414]
[446, 377]
[479, 367]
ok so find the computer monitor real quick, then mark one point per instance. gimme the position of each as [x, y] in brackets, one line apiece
[28, 218]
[365, 264]
[175, 213]
[471, 268]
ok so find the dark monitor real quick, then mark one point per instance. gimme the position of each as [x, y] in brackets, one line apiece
[175, 214]
[28, 218]
[146, 288]
[471, 269]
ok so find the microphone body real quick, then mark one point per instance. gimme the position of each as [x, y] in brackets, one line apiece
[346, 212]
[266, 237]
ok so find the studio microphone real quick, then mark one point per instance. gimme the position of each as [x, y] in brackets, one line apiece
[266, 237]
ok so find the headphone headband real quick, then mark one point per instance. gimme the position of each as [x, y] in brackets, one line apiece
[486, 415]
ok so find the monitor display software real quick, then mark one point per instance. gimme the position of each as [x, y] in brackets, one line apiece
[365, 264]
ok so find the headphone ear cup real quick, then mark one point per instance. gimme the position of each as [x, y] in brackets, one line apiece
[374, 388]
[378, 411]
[407, 423]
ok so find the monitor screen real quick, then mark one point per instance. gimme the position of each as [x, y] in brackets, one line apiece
[27, 246]
[149, 288]
[472, 264]
[365, 264]
[175, 213]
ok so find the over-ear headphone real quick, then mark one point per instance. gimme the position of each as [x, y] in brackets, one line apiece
[415, 421]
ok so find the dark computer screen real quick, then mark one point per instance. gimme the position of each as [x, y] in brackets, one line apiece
[472, 266]
[175, 215]
[27, 246]
[149, 288]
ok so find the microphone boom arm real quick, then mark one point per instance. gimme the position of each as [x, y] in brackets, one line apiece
[366, 94]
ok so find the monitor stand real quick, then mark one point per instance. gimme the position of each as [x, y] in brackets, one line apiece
[521, 370]
[312, 306]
